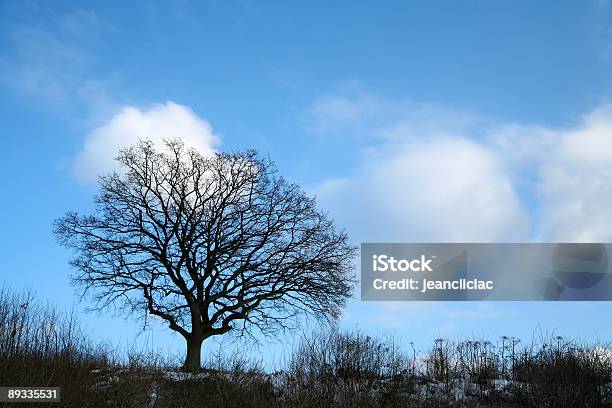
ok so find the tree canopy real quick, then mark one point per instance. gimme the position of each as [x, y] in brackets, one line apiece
[210, 244]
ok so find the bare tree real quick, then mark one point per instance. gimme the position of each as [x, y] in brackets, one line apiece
[210, 244]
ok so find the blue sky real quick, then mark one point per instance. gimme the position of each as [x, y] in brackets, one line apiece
[439, 121]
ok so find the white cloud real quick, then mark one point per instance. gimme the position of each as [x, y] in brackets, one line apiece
[590, 145]
[433, 174]
[575, 182]
[130, 125]
[443, 189]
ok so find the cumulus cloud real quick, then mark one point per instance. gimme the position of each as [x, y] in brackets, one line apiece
[432, 174]
[130, 125]
[443, 189]
[575, 182]
[570, 172]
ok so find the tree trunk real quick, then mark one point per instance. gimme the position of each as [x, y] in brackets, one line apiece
[194, 352]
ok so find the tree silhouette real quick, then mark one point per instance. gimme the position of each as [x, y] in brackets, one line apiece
[210, 244]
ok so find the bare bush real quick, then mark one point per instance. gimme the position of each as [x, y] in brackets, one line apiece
[557, 372]
[346, 369]
[41, 347]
